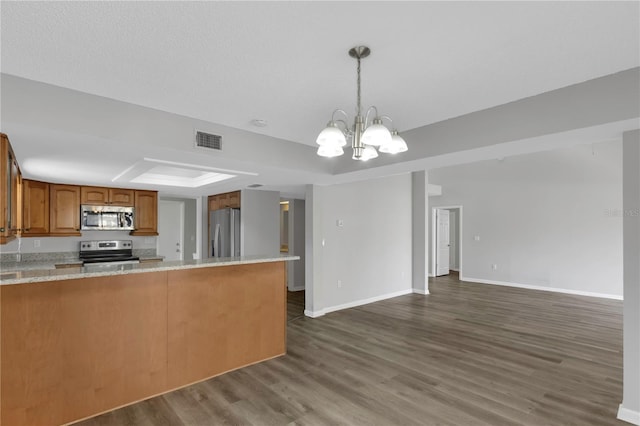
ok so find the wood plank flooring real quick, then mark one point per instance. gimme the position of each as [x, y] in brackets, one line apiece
[468, 354]
[295, 305]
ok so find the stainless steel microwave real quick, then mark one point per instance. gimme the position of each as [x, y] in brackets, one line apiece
[106, 218]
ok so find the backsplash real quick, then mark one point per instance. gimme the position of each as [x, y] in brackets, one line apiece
[60, 257]
[56, 249]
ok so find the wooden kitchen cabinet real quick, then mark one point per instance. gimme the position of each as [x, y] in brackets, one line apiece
[35, 208]
[64, 210]
[10, 197]
[223, 201]
[146, 213]
[96, 195]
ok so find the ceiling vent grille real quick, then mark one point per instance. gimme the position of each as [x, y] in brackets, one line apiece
[208, 141]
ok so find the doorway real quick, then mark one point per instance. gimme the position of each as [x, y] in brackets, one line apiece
[170, 241]
[446, 241]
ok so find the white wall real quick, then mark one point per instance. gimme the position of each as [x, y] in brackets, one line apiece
[190, 225]
[544, 219]
[296, 241]
[259, 222]
[454, 248]
[370, 254]
[630, 407]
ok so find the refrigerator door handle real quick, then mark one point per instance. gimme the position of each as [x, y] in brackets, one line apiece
[232, 225]
[216, 241]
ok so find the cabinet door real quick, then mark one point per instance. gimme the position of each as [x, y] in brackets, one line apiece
[5, 191]
[146, 213]
[35, 208]
[94, 195]
[65, 209]
[233, 200]
[121, 197]
[16, 197]
[10, 181]
[214, 203]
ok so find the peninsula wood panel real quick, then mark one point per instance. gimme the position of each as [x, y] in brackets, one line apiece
[72, 349]
[224, 318]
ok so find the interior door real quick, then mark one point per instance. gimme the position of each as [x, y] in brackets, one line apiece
[442, 242]
[170, 229]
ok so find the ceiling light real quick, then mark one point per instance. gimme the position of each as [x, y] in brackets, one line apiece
[364, 136]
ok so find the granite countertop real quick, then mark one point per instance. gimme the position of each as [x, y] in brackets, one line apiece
[33, 272]
[51, 264]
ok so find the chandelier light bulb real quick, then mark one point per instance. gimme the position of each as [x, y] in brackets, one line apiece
[331, 136]
[330, 151]
[368, 153]
[396, 145]
[376, 134]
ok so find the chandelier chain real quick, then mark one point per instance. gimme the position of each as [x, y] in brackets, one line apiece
[359, 107]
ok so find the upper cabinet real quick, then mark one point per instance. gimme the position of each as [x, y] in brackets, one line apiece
[10, 183]
[35, 208]
[65, 209]
[223, 201]
[106, 196]
[146, 213]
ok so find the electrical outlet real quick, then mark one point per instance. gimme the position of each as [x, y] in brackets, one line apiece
[36, 243]
[494, 267]
[339, 223]
[476, 238]
[339, 284]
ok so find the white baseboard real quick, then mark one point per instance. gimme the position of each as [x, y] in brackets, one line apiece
[629, 416]
[315, 314]
[537, 287]
[420, 291]
[296, 288]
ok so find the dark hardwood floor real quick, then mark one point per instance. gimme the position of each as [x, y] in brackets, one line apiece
[468, 354]
[295, 305]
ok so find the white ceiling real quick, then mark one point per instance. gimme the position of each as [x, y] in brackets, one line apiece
[287, 62]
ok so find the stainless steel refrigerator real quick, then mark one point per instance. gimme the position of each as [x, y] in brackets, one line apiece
[224, 229]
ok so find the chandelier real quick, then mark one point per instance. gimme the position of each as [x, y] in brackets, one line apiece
[363, 135]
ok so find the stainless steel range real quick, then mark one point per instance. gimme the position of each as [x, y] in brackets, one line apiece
[112, 252]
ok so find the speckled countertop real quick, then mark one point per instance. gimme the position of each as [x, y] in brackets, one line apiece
[33, 272]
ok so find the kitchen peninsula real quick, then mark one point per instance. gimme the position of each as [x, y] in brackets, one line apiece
[77, 342]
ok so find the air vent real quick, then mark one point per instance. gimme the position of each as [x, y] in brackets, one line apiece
[254, 185]
[209, 141]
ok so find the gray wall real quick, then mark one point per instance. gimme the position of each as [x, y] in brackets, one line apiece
[419, 232]
[630, 407]
[546, 220]
[260, 222]
[360, 243]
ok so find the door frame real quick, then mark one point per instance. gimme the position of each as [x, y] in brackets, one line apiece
[181, 221]
[432, 272]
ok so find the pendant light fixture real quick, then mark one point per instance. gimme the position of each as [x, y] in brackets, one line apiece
[364, 136]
